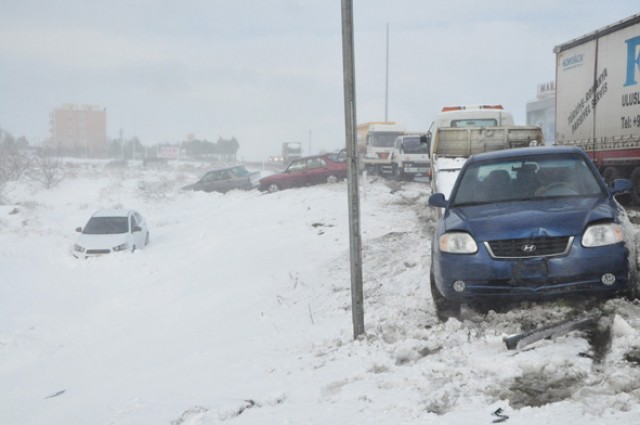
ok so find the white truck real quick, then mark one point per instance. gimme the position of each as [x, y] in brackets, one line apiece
[452, 146]
[471, 116]
[598, 98]
[291, 151]
[375, 143]
[460, 131]
[410, 157]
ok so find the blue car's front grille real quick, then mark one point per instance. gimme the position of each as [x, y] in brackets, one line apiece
[529, 247]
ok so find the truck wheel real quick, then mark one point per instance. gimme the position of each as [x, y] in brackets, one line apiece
[610, 174]
[635, 179]
[396, 172]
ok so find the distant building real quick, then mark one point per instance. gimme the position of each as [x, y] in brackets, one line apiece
[79, 130]
[542, 111]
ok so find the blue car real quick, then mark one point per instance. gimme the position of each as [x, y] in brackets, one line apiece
[530, 224]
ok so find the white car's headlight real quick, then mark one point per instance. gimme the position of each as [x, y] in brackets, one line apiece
[602, 234]
[458, 243]
[121, 247]
[78, 248]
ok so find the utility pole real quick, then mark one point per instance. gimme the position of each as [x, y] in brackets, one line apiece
[386, 82]
[357, 297]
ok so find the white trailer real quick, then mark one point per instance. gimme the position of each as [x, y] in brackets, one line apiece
[598, 98]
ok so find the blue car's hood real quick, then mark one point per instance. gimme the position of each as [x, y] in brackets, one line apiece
[515, 220]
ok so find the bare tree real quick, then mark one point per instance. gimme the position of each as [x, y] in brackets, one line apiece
[47, 170]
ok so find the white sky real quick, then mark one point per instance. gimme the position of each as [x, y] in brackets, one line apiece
[268, 72]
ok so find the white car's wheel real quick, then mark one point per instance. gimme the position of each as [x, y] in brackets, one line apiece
[146, 239]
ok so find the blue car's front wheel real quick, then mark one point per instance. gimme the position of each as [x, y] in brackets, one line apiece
[445, 308]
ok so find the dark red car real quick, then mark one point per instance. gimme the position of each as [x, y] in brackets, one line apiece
[328, 168]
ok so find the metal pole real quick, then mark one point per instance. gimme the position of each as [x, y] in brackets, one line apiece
[357, 310]
[386, 82]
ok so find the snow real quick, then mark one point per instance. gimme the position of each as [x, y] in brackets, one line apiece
[239, 311]
[446, 172]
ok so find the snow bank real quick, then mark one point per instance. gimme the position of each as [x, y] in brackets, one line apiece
[239, 311]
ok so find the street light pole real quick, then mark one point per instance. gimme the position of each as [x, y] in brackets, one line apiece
[357, 297]
[386, 82]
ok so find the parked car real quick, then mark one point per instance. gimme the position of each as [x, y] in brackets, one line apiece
[226, 179]
[111, 230]
[306, 171]
[530, 224]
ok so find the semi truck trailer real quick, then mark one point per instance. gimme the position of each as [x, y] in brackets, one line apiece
[598, 98]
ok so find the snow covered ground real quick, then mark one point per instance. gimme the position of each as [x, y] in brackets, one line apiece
[239, 312]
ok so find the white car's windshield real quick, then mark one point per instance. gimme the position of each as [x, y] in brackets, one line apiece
[106, 225]
[526, 179]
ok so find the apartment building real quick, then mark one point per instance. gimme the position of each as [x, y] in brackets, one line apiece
[79, 130]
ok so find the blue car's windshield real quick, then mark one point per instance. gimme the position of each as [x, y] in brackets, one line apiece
[533, 178]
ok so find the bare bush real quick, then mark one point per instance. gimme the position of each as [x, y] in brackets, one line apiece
[48, 170]
[13, 165]
[155, 189]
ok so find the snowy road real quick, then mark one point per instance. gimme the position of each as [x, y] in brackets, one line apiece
[239, 312]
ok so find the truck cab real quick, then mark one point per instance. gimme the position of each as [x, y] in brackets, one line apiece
[410, 157]
[375, 141]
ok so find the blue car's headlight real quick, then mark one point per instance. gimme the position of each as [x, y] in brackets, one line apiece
[602, 234]
[121, 247]
[78, 248]
[458, 243]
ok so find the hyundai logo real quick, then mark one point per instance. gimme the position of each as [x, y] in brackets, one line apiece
[528, 248]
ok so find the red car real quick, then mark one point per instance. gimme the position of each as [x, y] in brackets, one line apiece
[328, 168]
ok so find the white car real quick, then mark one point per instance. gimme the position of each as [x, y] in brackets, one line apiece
[111, 230]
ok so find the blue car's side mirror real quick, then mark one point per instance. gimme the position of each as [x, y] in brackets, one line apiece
[621, 186]
[438, 200]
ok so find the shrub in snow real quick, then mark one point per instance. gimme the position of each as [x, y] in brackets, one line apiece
[13, 165]
[154, 189]
[47, 170]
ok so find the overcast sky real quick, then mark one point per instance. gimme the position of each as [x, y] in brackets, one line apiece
[270, 71]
